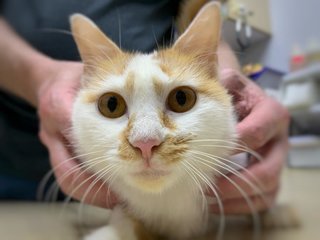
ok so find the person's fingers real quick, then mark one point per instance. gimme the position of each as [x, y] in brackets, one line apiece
[73, 180]
[268, 172]
[56, 98]
[261, 118]
[264, 176]
[56, 110]
[232, 80]
[245, 93]
[241, 206]
[265, 121]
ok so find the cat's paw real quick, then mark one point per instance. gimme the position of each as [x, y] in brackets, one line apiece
[121, 227]
[281, 216]
[104, 233]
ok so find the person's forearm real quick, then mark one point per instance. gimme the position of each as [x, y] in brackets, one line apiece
[227, 58]
[22, 68]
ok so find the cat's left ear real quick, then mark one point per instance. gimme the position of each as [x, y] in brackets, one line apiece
[92, 43]
[202, 36]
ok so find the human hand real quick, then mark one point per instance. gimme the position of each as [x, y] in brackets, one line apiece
[55, 99]
[262, 127]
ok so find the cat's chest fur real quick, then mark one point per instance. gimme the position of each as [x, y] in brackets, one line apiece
[178, 210]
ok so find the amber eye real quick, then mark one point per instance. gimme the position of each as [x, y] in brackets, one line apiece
[181, 99]
[112, 105]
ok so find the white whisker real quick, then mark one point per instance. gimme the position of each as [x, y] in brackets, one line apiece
[93, 176]
[77, 168]
[104, 172]
[204, 199]
[44, 181]
[220, 205]
[255, 216]
[218, 160]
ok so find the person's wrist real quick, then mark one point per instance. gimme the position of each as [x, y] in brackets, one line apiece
[41, 70]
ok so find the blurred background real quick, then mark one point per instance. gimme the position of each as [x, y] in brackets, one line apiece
[278, 45]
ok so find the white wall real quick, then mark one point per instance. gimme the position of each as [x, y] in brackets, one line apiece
[292, 21]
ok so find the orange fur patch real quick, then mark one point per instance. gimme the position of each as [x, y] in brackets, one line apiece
[215, 91]
[173, 148]
[158, 86]
[89, 97]
[165, 69]
[141, 232]
[166, 121]
[129, 86]
[115, 65]
[98, 69]
[126, 150]
[150, 184]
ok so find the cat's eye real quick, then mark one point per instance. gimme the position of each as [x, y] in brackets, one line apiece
[112, 105]
[181, 99]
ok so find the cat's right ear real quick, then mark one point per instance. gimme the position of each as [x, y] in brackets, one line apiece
[92, 43]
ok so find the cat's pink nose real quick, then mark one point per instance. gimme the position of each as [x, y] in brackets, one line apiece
[146, 146]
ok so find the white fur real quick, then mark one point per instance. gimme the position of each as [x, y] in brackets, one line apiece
[120, 227]
[175, 209]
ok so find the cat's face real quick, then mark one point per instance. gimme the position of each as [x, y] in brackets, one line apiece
[146, 119]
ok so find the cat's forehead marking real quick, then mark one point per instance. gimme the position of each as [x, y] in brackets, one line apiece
[163, 64]
[129, 82]
[212, 89]
[165, 68]
[117, 65]
[158, 86]
[88, 97]
[144, 71]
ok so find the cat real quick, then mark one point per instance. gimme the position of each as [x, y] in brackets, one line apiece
[159, 127]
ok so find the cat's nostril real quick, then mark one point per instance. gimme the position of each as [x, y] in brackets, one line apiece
[146, 146]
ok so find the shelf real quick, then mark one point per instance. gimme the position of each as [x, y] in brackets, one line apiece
[304, 151]
[308, 73]
[300, 93]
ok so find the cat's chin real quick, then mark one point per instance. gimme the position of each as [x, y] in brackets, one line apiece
[150, 173]
[150, 180]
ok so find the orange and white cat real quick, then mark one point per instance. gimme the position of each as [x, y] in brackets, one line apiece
[157, 127]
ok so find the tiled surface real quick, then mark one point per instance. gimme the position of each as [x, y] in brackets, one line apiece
[29, 221]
